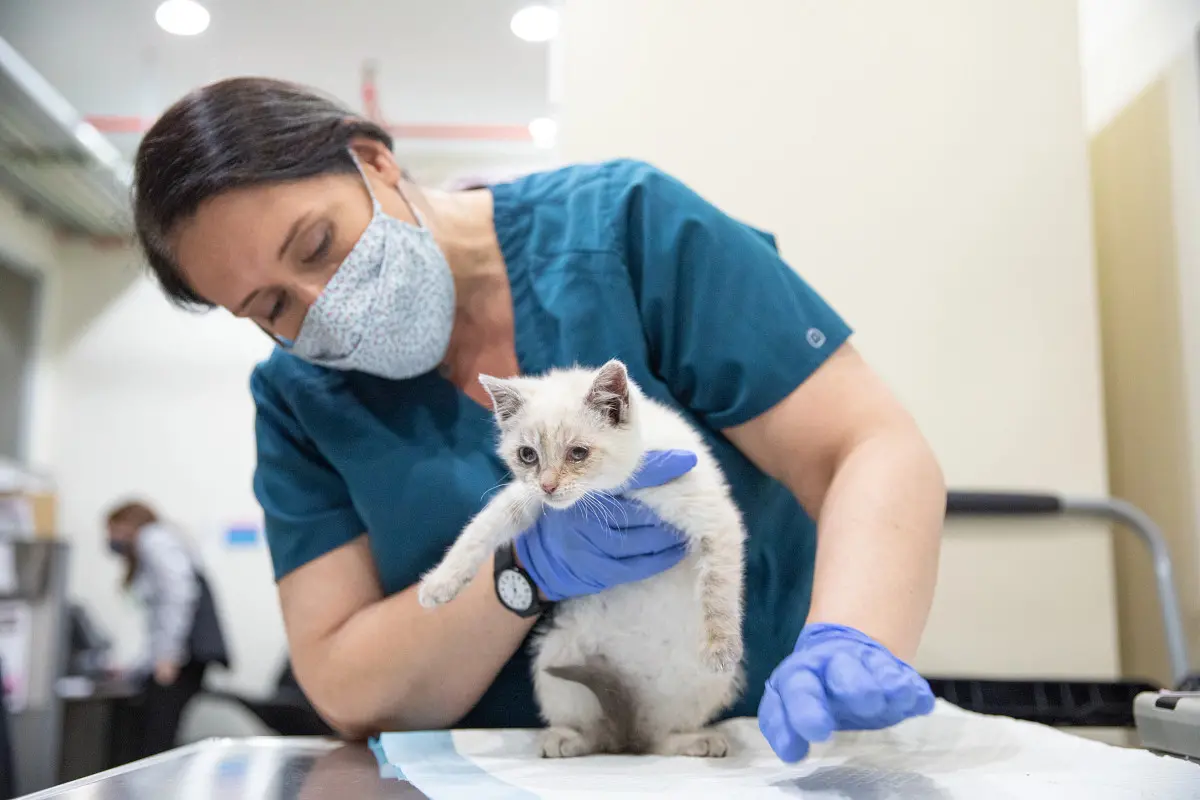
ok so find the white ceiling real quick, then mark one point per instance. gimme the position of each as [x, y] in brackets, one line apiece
[449, 62]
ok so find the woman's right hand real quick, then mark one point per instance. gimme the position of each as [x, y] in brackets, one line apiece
[602, 542]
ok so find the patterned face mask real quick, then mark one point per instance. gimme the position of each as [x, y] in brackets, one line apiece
[389, 308]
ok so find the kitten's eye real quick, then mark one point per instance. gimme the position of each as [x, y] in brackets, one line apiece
[578, 453]
[527, 455]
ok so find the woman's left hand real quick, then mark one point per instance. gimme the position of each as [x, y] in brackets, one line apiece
[838, 678]
[165, 672]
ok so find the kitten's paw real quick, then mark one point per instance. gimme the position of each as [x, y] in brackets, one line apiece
[438, 588]
[723, 653]
[565, 743]
[702, 744]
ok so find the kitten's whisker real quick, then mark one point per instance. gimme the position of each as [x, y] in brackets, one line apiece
[592, 506]
[519, 510]
[499, 485]
[603, 509]
[582, 502]
[611, 505]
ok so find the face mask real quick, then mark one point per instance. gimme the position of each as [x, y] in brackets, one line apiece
[389, 308]
[119, 548]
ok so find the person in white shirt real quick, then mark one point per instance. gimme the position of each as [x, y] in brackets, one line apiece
[183, 633]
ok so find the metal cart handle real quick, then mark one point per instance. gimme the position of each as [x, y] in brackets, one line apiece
[995, 504]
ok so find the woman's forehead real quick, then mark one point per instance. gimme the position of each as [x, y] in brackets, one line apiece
[233, 240]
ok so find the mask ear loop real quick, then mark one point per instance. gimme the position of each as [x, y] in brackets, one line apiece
[378, 209]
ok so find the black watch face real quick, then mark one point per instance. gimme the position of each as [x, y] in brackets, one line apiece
[515, 591]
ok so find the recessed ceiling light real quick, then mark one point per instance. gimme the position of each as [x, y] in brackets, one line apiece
[182, 17]
[544, 132]
[535, 23]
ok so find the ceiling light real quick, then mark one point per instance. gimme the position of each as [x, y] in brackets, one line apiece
[535, 23]
[544, 132]
[182, 17]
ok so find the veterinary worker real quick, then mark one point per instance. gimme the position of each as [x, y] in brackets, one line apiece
[183, 633]
[375, 439]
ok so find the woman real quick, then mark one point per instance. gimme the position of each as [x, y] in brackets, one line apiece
[375, 439]
[183, 633]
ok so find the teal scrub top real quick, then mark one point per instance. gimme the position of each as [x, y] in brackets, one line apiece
[613, 260]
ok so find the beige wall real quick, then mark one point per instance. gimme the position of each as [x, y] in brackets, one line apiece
[924, 165]
[1144, 167]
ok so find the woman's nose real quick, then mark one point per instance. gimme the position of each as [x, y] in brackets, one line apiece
[302, 295]
[307, 291]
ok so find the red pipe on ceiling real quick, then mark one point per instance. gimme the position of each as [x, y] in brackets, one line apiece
[369, 88]
[112, 123]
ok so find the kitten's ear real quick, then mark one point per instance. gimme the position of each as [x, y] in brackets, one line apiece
[610, 392]
[506, 397]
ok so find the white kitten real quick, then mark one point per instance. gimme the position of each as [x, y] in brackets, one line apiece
[641, 667]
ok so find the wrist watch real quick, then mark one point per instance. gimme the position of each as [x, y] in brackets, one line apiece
[515, 589]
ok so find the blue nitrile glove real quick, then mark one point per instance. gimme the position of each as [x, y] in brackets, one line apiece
[837, 679]
[583, 550]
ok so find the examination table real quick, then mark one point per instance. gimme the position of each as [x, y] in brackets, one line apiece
[953, 753]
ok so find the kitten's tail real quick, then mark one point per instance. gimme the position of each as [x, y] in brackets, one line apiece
[617, 706]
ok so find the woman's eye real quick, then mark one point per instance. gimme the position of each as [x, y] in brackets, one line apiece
[527, 455]
[578, 453]
[277, 308]
[322, 248]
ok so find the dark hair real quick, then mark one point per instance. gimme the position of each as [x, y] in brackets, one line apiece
[133, 513]
[136, 515]
[227, 135]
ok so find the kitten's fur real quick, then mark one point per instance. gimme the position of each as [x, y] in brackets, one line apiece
[641, 667]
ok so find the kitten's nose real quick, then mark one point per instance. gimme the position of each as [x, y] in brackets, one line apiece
[549, 484]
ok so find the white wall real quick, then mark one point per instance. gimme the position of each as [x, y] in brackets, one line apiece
[28, 243]
[924, 165]
[25, 240]
[154, 401]
[1125, 45]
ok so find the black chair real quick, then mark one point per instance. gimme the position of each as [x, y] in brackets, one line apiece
[286, 711]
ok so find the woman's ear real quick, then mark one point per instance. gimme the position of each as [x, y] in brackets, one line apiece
[398, 196]
[377, 160]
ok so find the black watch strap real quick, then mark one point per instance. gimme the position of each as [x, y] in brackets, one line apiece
[514, 587]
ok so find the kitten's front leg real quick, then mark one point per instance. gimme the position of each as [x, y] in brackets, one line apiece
[508, 514]
[721, 589]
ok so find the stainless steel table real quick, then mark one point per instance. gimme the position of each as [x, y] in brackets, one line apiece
[277, 768]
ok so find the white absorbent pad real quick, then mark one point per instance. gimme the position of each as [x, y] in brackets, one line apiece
[947, 755]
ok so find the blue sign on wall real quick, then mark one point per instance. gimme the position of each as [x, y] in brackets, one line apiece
[241, 536]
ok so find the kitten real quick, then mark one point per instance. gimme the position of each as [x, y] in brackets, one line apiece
[642, 667]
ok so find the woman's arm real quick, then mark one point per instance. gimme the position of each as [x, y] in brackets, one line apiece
[858, 464]
[370, 663]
